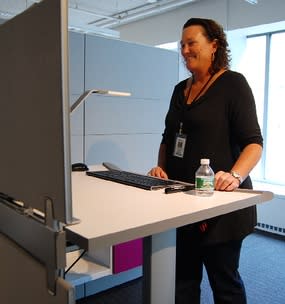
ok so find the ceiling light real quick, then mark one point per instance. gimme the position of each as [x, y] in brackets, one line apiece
[252, 1]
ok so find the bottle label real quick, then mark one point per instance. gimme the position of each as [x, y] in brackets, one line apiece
[204, 183]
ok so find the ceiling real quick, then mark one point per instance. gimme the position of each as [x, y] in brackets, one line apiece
[102, 16]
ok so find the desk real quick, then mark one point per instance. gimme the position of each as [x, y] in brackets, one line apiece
[113, 213]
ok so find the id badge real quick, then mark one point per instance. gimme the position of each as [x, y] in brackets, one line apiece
[180, 142]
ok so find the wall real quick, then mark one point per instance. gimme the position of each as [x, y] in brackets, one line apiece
[123, 130]
[76, 84]
[232, 14]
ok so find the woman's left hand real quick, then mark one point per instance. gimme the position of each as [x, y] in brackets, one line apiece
[224, 181]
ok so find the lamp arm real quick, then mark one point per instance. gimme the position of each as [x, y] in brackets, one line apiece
[96, 91]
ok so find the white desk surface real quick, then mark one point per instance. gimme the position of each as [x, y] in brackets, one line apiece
[112, 213]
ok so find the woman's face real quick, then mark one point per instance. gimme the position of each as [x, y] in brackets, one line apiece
[196, 49]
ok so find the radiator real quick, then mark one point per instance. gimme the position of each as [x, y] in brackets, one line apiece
[271, 216]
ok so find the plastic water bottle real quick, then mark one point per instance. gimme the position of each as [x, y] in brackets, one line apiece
[204, 179]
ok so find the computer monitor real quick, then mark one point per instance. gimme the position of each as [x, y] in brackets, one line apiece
[35, 163]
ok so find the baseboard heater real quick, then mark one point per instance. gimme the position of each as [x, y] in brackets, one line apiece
[271, 228]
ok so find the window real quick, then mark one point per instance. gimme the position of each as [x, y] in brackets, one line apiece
[264, 65]
[172, 46]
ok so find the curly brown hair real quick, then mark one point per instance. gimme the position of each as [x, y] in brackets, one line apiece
[214, 31]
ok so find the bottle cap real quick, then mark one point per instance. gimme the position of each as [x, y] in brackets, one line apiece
[204, 161]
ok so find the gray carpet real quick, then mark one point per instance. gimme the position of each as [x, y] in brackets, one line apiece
[262, 267]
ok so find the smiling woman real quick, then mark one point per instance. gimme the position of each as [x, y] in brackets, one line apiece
[212, 115]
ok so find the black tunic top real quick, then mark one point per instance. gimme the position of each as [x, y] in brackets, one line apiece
[218, 125]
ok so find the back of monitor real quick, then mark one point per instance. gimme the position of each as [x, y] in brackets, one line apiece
[35, 165]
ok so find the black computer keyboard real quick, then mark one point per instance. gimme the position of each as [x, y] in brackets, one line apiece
[133, 179]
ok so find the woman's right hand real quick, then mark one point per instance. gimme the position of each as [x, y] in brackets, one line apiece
[158, 172]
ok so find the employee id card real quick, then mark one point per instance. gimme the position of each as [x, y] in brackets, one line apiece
[179, 147]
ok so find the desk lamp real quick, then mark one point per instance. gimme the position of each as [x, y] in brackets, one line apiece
[96, 91]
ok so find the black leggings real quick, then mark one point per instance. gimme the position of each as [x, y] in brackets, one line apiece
[221, 262]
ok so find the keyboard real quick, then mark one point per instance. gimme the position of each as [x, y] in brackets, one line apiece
[134, 179]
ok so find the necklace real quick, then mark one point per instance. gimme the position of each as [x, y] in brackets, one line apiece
[201, 90]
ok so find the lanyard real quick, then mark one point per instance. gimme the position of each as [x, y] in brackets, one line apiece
[202, 89]
[197, 95]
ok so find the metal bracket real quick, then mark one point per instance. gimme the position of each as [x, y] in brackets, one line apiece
[25, 227]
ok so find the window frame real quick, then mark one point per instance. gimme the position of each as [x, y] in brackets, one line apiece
[279, 187]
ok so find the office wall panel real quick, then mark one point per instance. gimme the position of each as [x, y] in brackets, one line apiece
[76, 62]
[135, 152]
[124, 115]
[77, 132]
[144, 71]
[127, 130]
[76, 88]
[77, 152]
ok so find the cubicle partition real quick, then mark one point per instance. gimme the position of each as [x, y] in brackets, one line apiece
[125, 131]
[35, 174]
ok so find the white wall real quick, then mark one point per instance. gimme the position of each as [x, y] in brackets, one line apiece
[232, 14]
[125, 131]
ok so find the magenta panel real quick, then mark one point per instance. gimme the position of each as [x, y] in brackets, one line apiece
[127, 255]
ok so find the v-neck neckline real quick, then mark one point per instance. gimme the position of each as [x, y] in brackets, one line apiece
[197, 98]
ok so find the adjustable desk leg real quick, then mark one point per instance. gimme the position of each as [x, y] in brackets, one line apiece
[159, 268]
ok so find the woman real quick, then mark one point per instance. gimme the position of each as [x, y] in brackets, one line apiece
[211, 115]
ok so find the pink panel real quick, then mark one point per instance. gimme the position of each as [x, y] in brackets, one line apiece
[127, 255]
